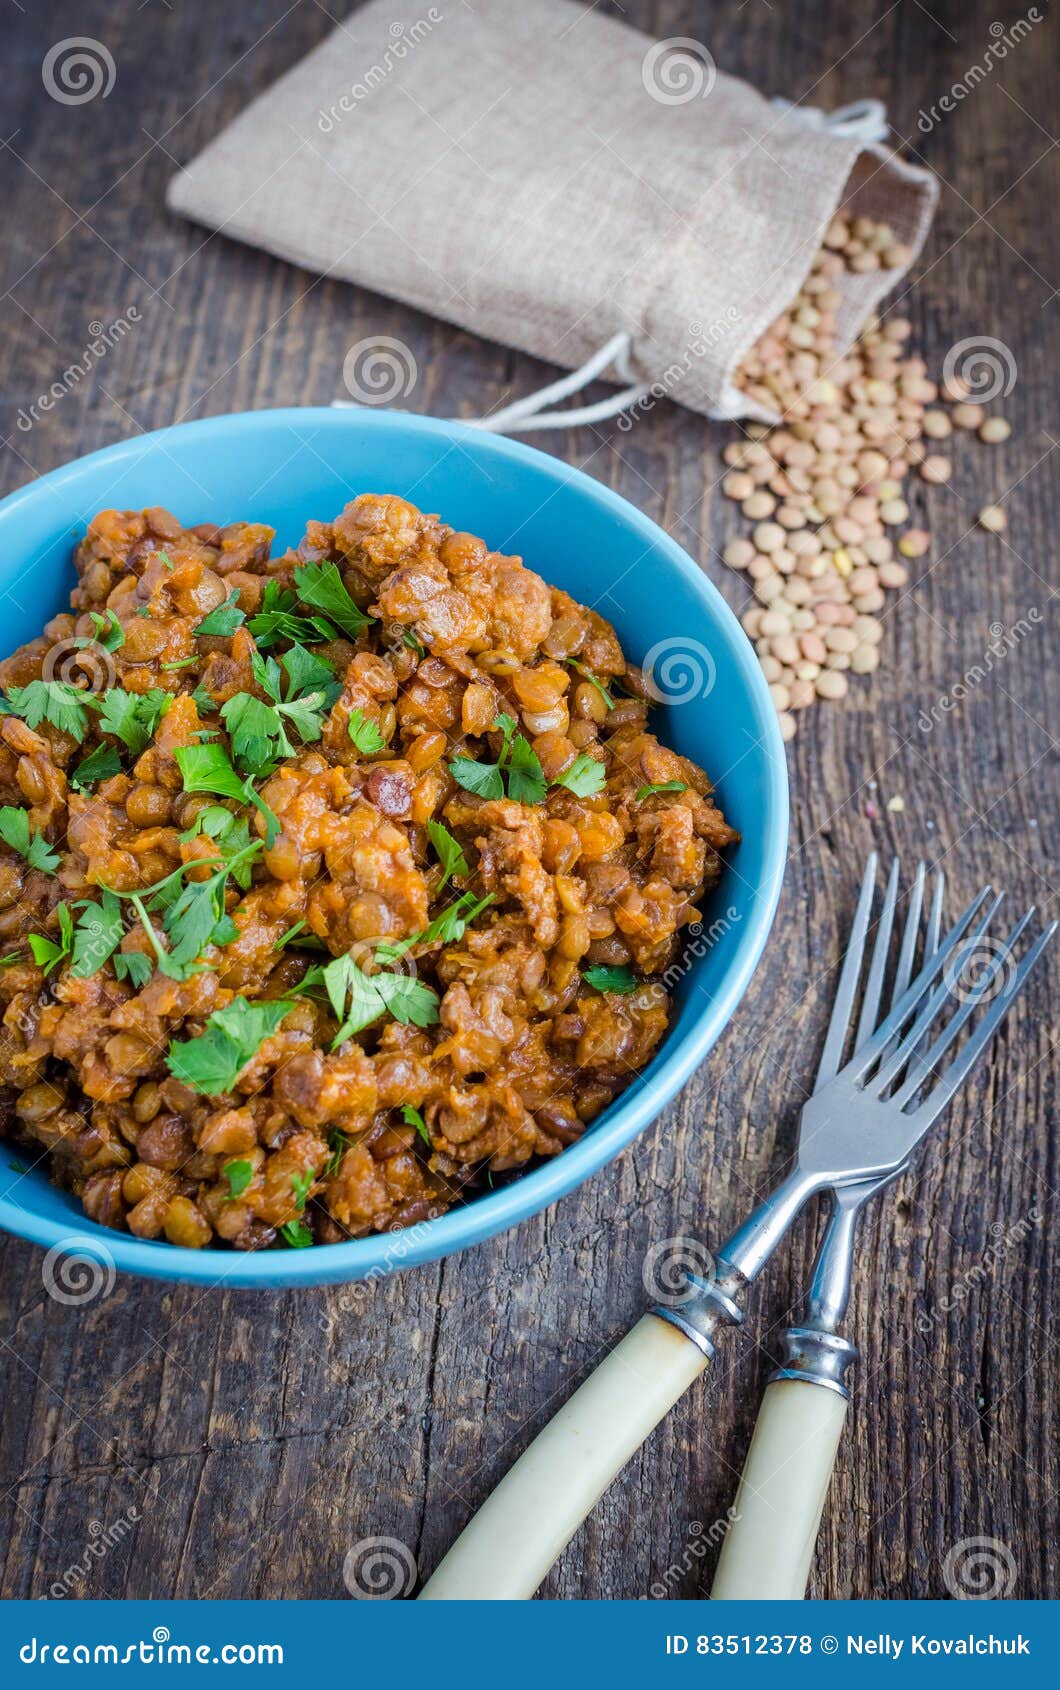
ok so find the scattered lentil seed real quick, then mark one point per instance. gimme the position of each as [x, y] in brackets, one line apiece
[936, 469]
[968, 416]
[992, 518]
[994, 430]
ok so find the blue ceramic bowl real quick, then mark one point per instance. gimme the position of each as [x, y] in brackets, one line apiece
[282, 467]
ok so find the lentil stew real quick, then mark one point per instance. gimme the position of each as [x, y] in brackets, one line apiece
[333, 884]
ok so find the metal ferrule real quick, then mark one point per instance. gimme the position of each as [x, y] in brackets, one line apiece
[707, 1305]
[816, 1358]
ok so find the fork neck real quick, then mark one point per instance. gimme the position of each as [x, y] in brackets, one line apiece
[745, 1254]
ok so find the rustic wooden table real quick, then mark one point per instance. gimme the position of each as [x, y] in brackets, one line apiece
[231, 1444]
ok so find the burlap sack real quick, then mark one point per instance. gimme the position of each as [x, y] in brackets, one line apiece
[550, 178]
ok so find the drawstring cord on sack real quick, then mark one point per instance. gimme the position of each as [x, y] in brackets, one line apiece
[862, 120]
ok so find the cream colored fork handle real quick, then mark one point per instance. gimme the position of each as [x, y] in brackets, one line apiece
[507, 1548]
[769, 1546]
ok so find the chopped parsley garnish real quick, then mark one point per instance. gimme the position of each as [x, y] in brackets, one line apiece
[100, 930]
[584, 777]
[16, 832]
[207, 768]
[611, 979]
[300, 1185]
[659, 786]
[203, 700]
[413, 1118]
[213, 1062]
[133, 717]
[277, 620]
[448, 851]
[66, 707]
[134, 967]
[296, 1234]
[46, 953]
[358, 999]
[239, 1175]
[164, 557]
[448, 928]
[258, 729]
[409, 639]
[365, 734]
[180, 663]
[231, 835]
[593, 680]
[518, 765]
[320, 586]
[109, 632]
[100, 764]
[225, 619]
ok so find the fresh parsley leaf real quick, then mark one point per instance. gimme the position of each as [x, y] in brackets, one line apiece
[109, 632]
[300, 1185]
[611, 979]
[64, 706]
[257, 733]
[231, 835]
[239, 1176]
[100, 930]
[46, 953]
[204, 701]
[180, 663]
[448, 852]
[133, 717]
[100, 764]
[526, 780]
[16, 832]
[659, 786]
[485, 780]
[308, 672]
[296, 1234]
[365, 734]
[358, 999]
[134, 967]
[224, 619]
[409, 639]
[207, 768]
[584, 777]
[413, 1118]
[164, 557]
[213, 1062]
[275, 620]
[448, 928]
[320, 586]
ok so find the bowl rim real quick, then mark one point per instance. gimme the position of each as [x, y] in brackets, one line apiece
[381, 1254]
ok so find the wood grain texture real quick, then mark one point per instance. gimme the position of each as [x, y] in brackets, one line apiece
[259, 1437]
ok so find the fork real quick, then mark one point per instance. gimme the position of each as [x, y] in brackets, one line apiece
[768, 1548]
[858, 1128]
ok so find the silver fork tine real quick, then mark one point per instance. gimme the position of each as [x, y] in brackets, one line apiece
[888, 1071]
[835, 1038]
[908, 1002]
[919, 1070]
[904, 972]
[935, 918]
[962, 1064]
[878, 961]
